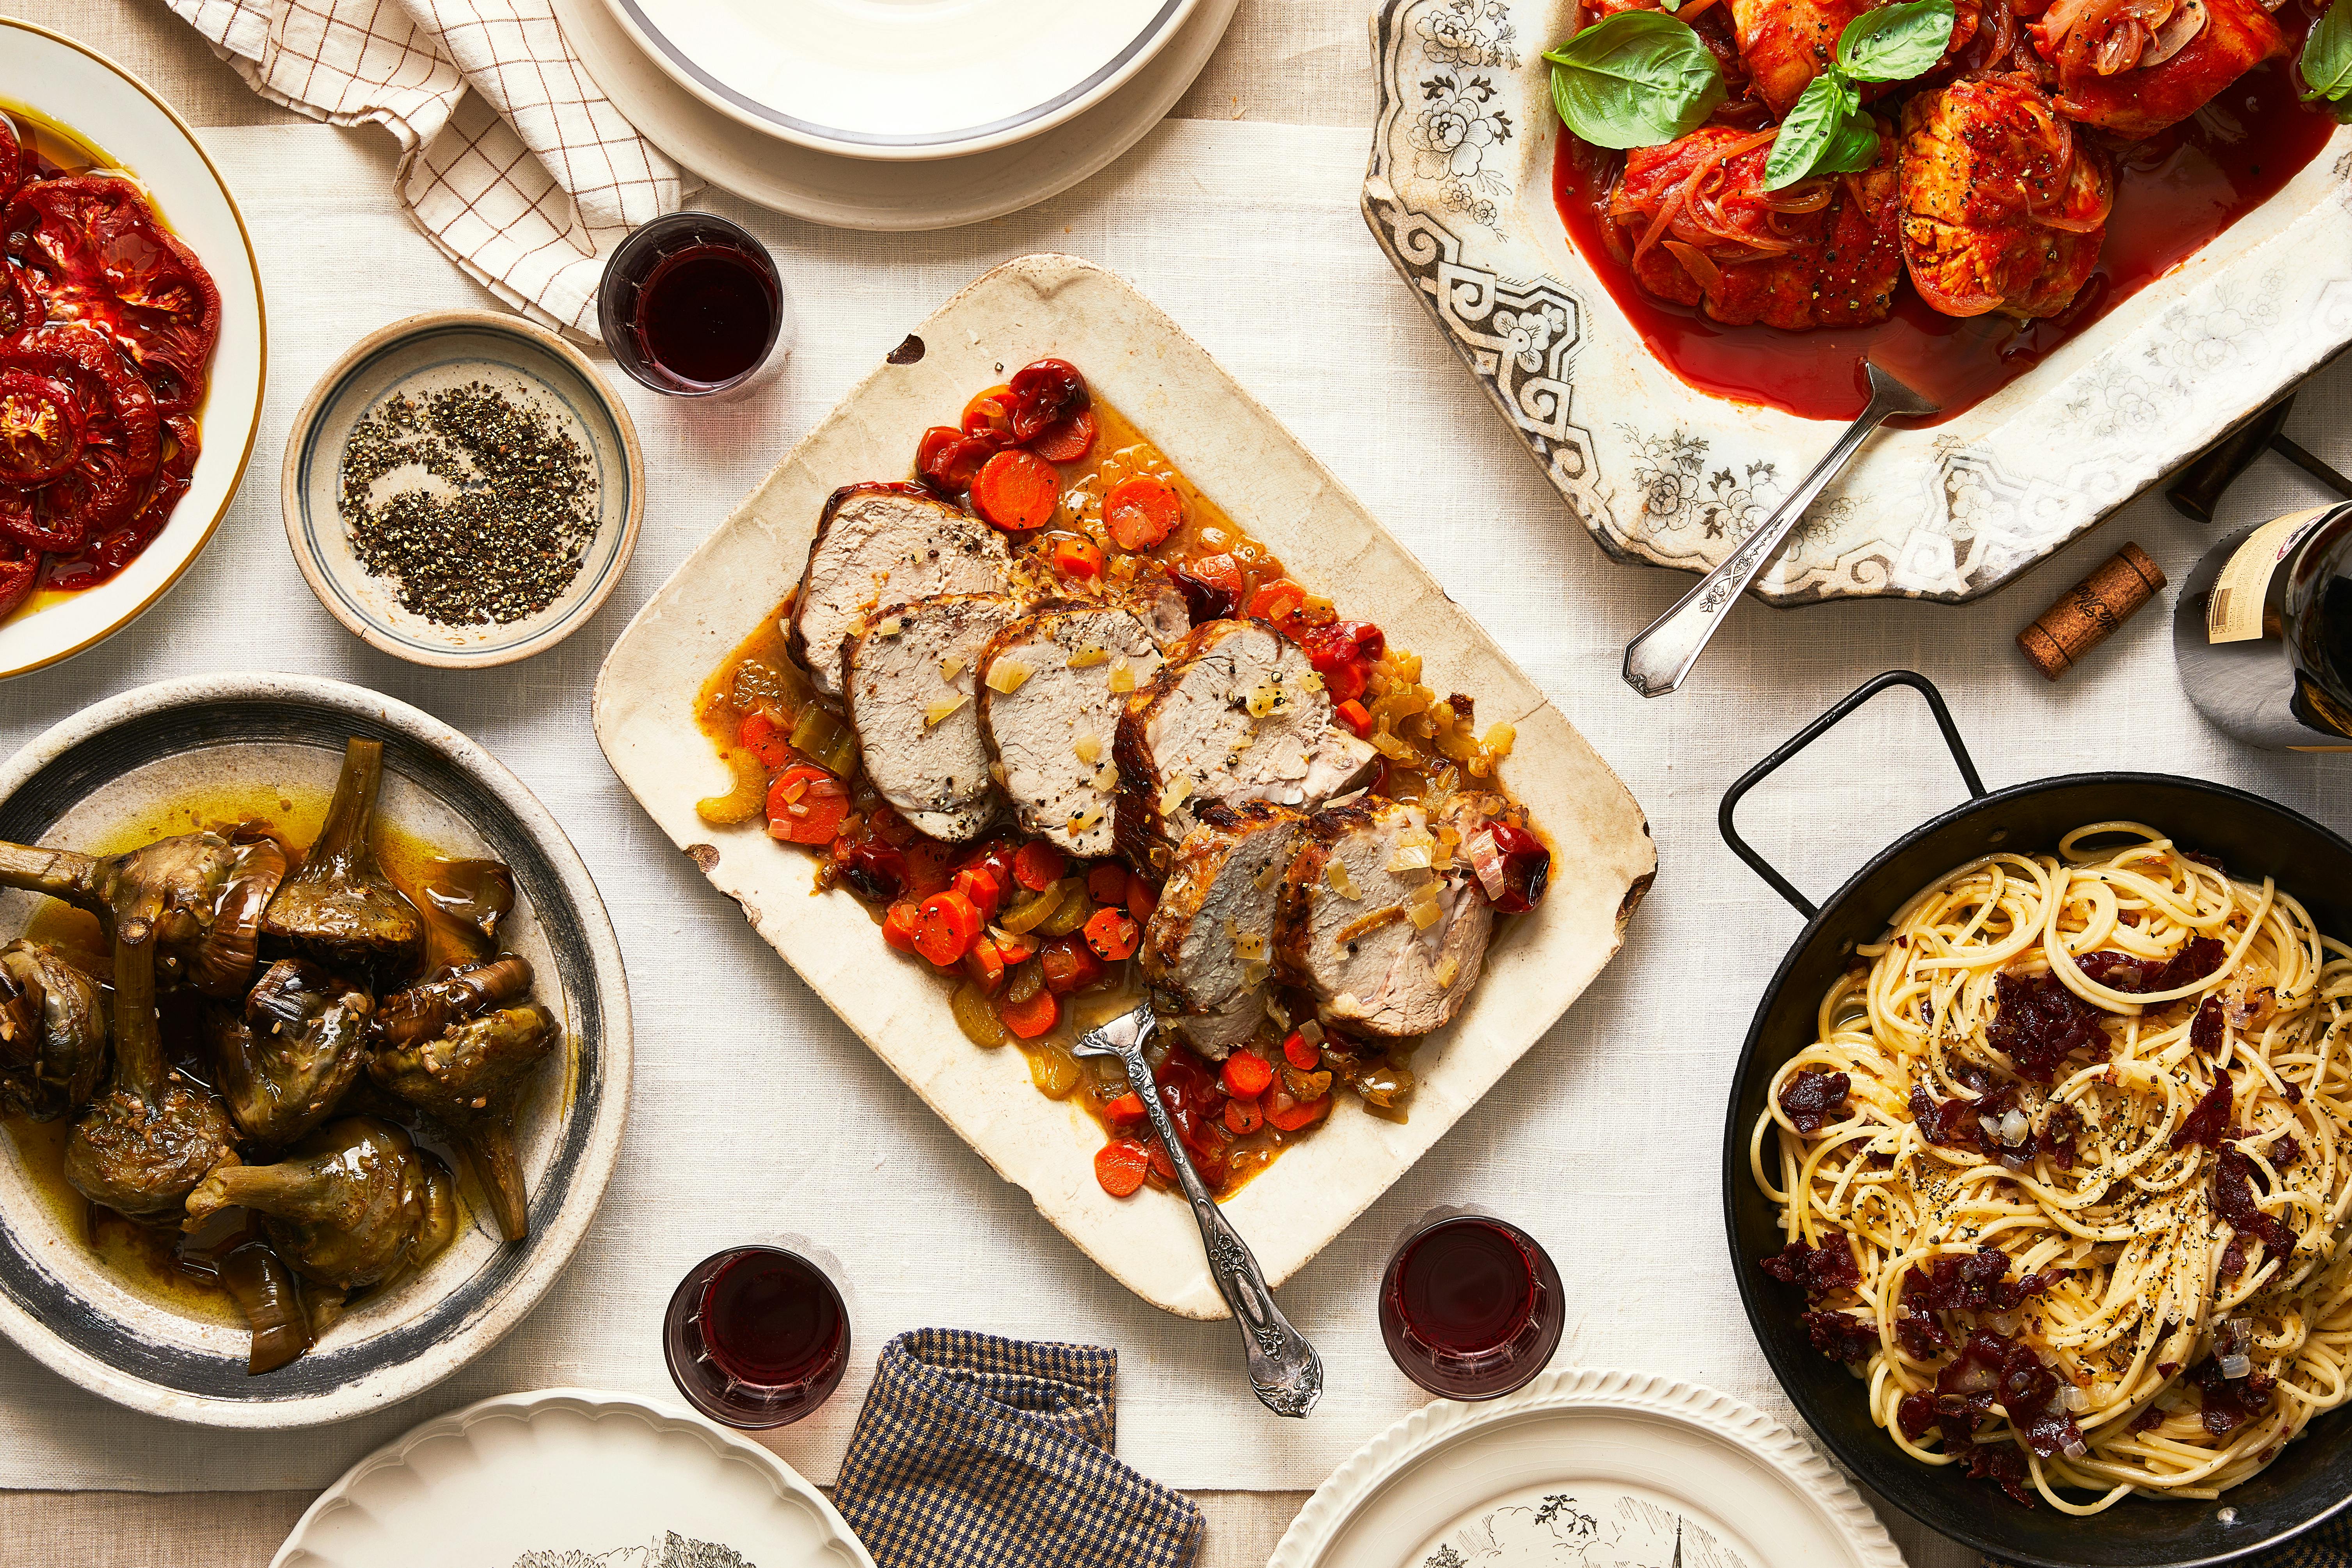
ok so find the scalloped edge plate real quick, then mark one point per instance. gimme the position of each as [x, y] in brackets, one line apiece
[1601, 1469]
[564, 1474]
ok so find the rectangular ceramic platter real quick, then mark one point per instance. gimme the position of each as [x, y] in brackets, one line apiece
[1233, 448]
[1459, 194]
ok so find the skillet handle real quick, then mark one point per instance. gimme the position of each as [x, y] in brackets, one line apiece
[1814, 731]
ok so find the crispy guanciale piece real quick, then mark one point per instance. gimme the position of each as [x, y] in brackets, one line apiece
[469, 1078]
[2004, 206]
[53, 1033]
[2135, 66]
[1787, 43]
[1208, 946]
[1696, 224]
[339, 907]
[355, 1204]
[202, 892]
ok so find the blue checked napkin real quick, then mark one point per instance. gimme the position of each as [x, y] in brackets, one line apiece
[974, 1451]
[2324, 1545]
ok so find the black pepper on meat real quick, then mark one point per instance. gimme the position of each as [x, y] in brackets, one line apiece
[504, 533]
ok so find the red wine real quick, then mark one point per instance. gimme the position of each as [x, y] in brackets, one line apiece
[756, 1336]
[1471, 1308]
[706, 314]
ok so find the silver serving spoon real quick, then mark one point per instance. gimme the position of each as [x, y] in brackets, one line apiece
[1283, 1367]
[1660, 659]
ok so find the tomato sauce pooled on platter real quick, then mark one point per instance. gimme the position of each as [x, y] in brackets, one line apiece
[106, 328]
[2175, 192]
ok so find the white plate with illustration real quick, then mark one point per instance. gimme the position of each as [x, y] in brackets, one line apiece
[566, 1478]
[892, 195]
[1599, 1470]
[882, 79]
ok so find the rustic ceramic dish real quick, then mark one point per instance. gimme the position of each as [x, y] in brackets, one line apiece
[91, 95]
[569, 1477]
[1602, 1469]
[1459, 194]
[1233, 448]
[111, 770]
[428, 352]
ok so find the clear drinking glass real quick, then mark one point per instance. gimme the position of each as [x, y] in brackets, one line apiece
[756, 1336]
[691, 305]
[1471, 1306]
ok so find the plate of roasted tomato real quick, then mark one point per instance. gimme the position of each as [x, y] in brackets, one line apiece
[131, 347]
[1050, 676]
[1667, 234]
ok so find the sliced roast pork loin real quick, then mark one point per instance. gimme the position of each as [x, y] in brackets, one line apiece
[1236, 715]
[1385, 945]
[1208, 946]
[907, 680]
[1052, 686]
[881, 545]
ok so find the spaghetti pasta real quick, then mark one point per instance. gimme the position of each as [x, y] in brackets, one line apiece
[2078, 1124]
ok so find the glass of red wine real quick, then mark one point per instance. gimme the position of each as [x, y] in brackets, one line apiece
[756, 1336]
[691, 305]
[1471, 1307]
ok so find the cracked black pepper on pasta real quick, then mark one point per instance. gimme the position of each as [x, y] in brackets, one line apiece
[501, 536]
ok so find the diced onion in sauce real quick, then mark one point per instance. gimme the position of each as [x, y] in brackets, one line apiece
[1263, 699]
[1268, 878]
[952, 666]
[1447, 969]
[1089, 748]
[1423, 908]
[942, 707]
[1106, 776]
[1085, 817]
[1335, 871]
[1005, 676]
[1411, 857]
[1122, 679]
[1254, 971]
[1498, 741]
[1173, 796]
[1411, 835]
[888, 627]
[1088, 657]
[1388, 746]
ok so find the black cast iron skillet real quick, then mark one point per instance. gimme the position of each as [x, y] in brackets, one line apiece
[2312, 1477]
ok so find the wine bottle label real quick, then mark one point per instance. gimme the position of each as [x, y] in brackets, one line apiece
[2234, 612]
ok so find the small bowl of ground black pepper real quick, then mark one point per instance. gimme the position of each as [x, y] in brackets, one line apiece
[462, 489]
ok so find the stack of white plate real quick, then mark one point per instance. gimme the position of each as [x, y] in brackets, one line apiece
[895, 115]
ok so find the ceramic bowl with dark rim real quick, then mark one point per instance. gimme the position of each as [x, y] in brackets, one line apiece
[428, 353]
[140, 765]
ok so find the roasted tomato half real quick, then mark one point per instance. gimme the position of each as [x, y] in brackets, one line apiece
[79, 437]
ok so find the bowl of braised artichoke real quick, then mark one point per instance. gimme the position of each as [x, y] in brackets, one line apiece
[314, 1050]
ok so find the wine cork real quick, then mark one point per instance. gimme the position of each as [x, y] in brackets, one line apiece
[2086, 613]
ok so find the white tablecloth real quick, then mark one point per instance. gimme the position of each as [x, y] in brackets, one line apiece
[756, 1113]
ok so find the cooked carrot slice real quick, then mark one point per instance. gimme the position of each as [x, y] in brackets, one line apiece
[1141, 511]
[1070, 965]
[1290, 1115]
[1127, 1109]
[1032, 1017]
[1077, 558]
[760, 736]
[898, 925]
[1357, 717]
[1300, 1055]
[982, 888]
[1277, 600]
[985, 966]
[1112, 936]
[1119, 1166]
[945, 926]
[1244, 1116]
[805, 804]
[1219, 572]
[1106, 883]
[1247, 1075]
[1141, 900]
[1066, 440]
[1013, 949]
[1037, 865]
[1016, 492]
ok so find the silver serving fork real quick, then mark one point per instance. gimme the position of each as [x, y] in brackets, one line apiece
[1283, 1367]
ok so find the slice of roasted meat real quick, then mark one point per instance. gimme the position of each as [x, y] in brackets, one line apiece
[1208, 946]
[1693, 221]
[909, 679]
[2004, 206]
[1049, 705]
[1386, 944]
[2136, 66]
[879, 544]
[1237, 714]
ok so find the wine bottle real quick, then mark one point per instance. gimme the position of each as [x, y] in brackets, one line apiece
[2262, 632]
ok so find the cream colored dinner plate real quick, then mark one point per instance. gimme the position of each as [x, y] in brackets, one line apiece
[99, 101]
[569, 1479]
[1598, 1469]
[1229, 445]
[888, 79]
[870, 193]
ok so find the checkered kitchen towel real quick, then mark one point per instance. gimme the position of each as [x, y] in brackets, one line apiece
[976, 1452]
[512, 158]
[2326, 1545]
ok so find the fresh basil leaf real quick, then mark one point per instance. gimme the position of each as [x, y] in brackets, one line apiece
[1896, 43]
[2327, 54]
[1853, 149]
[1638, 78]
[1816, 124]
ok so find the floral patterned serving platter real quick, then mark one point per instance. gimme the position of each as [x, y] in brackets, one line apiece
[1459, 194]
[1588, 1468]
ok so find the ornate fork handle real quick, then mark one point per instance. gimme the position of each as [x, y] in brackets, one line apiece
[1660, 658]
[1283, 1367]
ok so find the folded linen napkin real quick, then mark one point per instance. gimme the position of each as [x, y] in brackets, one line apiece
[2324, 1545]
[974, 1451]
[526, 181]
